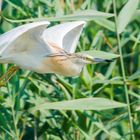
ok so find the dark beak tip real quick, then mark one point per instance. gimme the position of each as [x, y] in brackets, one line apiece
[110, 60]
[103, 60]
[107, 60]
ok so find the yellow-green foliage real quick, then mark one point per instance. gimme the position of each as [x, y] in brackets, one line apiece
[112, 26]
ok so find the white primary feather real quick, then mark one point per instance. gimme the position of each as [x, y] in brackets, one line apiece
[23, 38]
[65, 35]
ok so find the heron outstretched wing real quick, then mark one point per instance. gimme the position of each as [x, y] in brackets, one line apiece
[25, 38]
[65, 35]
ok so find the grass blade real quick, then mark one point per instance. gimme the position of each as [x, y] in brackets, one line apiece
[78, 15]
[100, 54]
[110, 25]
[80, 104]
[126, 14]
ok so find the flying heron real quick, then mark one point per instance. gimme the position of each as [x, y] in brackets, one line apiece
[52, 50]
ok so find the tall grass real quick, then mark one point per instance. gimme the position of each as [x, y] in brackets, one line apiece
[103, 102]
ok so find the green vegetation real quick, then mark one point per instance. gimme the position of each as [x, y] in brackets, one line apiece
[103, 102]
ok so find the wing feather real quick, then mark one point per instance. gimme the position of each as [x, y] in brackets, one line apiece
[65, 35]
[24, 38]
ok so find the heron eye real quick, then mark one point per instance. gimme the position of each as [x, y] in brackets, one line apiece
[86, 58]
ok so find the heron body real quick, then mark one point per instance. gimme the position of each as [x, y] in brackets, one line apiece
[33, 47]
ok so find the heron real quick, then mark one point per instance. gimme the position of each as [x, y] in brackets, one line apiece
[34, 47]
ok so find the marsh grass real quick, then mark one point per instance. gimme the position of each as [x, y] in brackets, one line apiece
[83, 107]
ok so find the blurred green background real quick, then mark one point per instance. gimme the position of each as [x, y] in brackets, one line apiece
[28, 89]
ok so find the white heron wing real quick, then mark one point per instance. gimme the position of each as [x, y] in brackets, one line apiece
[24, 38]
[65, 35]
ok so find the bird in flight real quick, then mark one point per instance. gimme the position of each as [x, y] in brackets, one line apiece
[34, 47]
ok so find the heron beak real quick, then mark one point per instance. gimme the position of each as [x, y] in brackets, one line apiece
[92, 60]
[98, 60]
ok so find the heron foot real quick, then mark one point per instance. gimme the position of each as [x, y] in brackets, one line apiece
[7, 76]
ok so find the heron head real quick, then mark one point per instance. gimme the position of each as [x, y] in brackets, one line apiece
[83, 59]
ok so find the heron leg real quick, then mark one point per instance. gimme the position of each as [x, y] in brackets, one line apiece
[7, 76]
